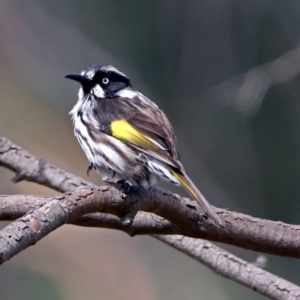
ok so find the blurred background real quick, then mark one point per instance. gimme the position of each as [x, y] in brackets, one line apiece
[226, 73]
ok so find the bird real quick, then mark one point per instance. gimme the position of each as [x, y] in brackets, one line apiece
[126, 137]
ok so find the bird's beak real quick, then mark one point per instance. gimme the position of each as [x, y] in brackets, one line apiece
[80, 78]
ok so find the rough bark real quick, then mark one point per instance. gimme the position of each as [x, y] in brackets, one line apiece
[241, 230]
[148, 211]
[232, 267]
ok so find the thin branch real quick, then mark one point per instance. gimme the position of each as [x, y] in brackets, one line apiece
[143, 223]
[29, 167]
[232, 267]
[245, 93]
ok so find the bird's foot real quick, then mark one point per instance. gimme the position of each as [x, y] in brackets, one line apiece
[127, 220]
[125, 187]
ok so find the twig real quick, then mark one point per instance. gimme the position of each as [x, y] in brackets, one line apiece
[245, 93]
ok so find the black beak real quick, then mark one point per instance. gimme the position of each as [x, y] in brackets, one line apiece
[77, 77]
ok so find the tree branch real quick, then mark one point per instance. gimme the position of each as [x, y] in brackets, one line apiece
[245, 93]
[77, 207]
[241, 230]
[36, 224]
[29, 167]
[232, 267]
[16, 206]
[61, 209]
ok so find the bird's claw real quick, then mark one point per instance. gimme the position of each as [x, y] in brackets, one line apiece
[90, 167]
[125, 187]
[127, 220]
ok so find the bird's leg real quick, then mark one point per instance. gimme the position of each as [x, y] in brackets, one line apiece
[90, 167]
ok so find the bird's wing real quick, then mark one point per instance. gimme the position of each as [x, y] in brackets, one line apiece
[141, 125]
[146, 127]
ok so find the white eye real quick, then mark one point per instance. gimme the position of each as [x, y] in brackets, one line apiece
[105, 80]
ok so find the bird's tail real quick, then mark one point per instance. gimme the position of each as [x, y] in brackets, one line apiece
[187, 183]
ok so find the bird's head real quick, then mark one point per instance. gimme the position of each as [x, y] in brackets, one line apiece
[101, 81]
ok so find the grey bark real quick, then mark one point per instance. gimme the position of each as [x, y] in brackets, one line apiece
[151, 211]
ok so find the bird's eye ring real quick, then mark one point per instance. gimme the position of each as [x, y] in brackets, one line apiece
[105, 80]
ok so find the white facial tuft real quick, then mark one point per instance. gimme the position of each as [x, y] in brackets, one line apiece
[80, 93]
[89, 74]
[98, 91]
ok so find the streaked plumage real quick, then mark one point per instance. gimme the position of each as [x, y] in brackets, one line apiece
[125, 136]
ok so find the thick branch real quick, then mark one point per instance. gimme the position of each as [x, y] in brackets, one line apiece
[56, 211]
[16, 206]
[68, 207]
[244, 231]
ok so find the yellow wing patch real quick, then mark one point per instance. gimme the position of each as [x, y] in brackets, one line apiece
[123, 131]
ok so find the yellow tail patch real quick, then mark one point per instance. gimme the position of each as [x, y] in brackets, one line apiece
[185, 183]
[196, 194]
